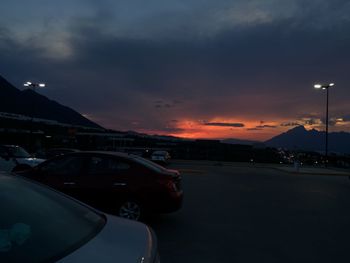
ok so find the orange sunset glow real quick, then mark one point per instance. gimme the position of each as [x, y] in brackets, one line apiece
[196, 130]
[220, 128]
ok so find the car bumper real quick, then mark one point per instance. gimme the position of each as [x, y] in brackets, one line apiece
[168, 203]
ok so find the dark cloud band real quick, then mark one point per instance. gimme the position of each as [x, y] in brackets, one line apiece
[224, 124]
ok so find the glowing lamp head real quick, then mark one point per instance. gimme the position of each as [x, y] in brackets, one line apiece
[34, 85]
[27, 84]
[323, 86]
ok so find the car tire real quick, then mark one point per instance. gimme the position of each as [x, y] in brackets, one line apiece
[130, 209]
[20, 168]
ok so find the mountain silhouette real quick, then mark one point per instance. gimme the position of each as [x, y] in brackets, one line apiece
[29, 103]
[299, 138]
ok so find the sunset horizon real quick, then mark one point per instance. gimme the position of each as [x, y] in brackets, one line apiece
[242, 70]
[251, 131]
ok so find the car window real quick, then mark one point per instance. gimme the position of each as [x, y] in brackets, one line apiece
[18, 152]
[63, 166]
[40, 225]
[149, 164]
[106, 165]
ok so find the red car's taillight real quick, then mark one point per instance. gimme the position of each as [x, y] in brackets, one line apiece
[170, 185]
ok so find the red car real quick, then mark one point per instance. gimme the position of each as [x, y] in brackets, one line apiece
[117, 183]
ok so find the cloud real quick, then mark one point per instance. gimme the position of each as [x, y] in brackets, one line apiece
[311, 121]
[290, 124]
[163, 104]
[177, 102]
[346, 117]
[254, 129]
[224, 124]
[265, 126]
[308, 119]
[159, 60]
[339, 121]
[159, 19]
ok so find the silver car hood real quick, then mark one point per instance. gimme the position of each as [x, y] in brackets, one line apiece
[120, 240]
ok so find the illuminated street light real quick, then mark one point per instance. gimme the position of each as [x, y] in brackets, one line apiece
[33, 86]
[325, 87]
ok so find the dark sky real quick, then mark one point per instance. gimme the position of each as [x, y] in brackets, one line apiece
[209, 69]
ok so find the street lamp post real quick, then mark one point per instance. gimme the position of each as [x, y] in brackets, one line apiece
[325, 87]
[33, 86]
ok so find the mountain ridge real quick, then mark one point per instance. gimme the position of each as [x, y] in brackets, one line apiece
[30, 103]
[300, 138]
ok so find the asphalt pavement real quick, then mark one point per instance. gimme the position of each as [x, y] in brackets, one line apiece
[256, 214]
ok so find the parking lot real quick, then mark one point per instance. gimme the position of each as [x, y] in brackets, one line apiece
[256, 214]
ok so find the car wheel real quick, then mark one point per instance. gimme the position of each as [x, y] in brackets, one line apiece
[130, 210]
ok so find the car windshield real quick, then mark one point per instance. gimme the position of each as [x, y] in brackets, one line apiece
[40, 225]
[18, 152]
[153, 166]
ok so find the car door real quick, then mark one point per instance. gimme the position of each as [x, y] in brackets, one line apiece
[108, 180]
[63, 173]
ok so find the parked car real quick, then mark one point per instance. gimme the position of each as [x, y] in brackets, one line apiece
[118, 183]
[38, 224]
[53, 152]
[15, 158]
[160, 156]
